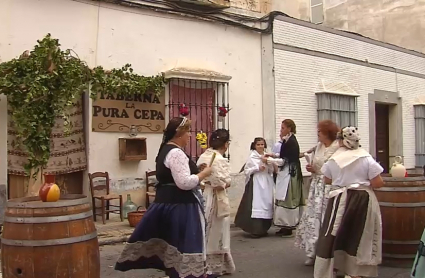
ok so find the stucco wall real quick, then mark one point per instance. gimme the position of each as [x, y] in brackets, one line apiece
[111, 36]
[400, 22]
[295, 8]
[298, 75]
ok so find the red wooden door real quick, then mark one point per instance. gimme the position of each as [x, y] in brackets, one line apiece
[382, 136]
[199, 97]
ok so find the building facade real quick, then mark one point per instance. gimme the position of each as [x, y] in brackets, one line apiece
[324, 73]
[203, 61]
[296, 70]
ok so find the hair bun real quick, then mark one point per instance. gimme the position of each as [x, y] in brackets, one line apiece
[219, 138]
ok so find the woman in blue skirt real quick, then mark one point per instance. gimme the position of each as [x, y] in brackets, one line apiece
[171, 234]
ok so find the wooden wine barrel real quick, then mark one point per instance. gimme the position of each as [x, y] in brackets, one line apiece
[46, 240]
[402, 204]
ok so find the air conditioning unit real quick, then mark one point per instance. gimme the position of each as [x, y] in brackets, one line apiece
[205, 3]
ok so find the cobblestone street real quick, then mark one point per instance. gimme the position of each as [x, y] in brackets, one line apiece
[270, 257]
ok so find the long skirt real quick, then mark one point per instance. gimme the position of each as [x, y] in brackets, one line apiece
[418, 269]
[170, 237]
[219, 258]
[308, 230]
[243, 219]
[346, 248]
[288, 212]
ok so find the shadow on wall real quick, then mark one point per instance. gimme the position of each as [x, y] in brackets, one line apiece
[136, 187]
[236, 190]
[3, 200]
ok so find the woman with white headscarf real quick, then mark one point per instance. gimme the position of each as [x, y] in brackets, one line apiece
[351, 235]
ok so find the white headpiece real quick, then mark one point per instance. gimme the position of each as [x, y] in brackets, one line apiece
[350, 137]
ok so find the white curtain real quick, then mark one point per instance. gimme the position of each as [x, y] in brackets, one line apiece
[341, 109]
[420, 134]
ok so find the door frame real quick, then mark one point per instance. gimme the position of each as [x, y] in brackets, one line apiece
[395, 139]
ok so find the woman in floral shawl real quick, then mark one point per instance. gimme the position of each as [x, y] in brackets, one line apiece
[311, 220]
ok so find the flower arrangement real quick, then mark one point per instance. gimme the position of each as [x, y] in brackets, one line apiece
[222, 113]
[202, 138]
[183, 110]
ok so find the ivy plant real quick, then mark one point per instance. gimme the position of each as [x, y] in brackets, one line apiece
[43, 84]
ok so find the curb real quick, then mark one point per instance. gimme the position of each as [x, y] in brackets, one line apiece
[121, 239]
[112, 240]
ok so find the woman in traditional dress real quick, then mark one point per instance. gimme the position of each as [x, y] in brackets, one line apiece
[308, 231]
[255, 212]
[351, 235]
[418, 269]
[171, 234]
[289, 196]
[217, 208]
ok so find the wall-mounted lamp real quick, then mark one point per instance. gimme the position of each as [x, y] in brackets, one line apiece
[133, 131]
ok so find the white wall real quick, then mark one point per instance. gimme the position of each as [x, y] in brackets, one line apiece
[298, 75]
[154, 44]
[317, 40]
[111, 36]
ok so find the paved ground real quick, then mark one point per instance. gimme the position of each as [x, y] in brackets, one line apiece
[270, 257]
[112, 231]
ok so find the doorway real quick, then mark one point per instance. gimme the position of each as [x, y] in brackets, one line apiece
[382, 132]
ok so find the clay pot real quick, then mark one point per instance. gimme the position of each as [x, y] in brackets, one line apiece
[398, 170]
[49, 191]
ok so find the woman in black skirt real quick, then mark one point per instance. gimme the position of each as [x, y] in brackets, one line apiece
[350, 239]
[171, 235]
[255, 212]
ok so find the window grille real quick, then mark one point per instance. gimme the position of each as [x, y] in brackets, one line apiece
[419, 111]
[341, 109]
[202, 98]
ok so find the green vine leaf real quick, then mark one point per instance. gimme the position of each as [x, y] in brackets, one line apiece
[43, 84]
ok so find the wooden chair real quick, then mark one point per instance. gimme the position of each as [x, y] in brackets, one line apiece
[105, 199]
[150, 185]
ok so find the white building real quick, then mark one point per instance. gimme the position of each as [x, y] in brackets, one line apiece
[264, 78]
[202, 54]
[320, 71]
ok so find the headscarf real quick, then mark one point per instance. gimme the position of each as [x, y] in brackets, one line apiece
[170, 131]
[350, 137]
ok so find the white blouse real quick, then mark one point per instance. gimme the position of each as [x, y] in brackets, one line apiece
[360, 171]
[178, 162]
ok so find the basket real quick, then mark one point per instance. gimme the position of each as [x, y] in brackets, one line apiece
[134, 217]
